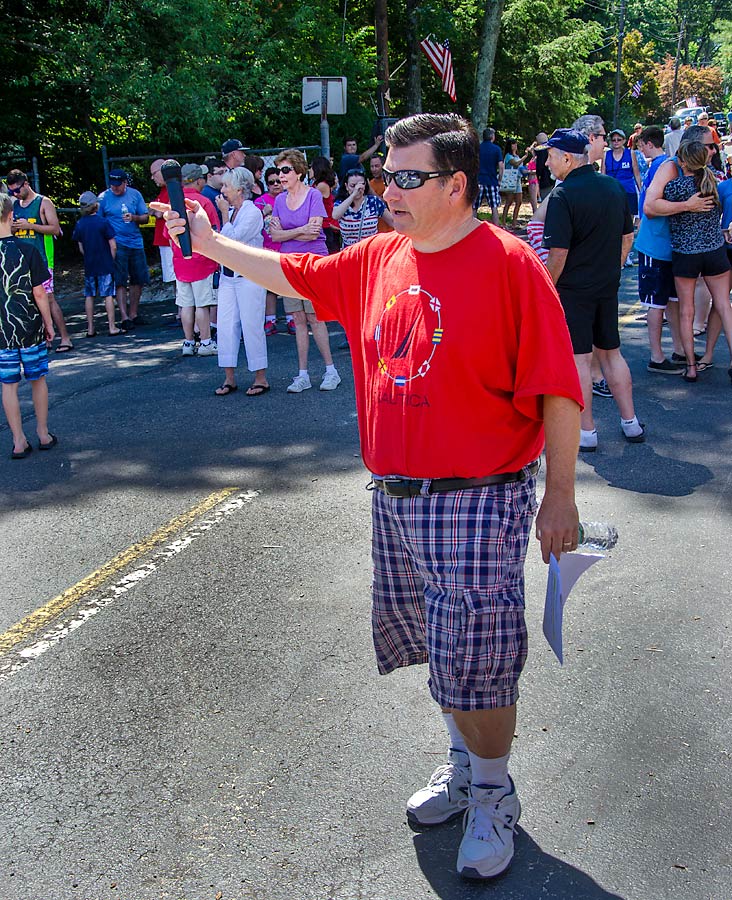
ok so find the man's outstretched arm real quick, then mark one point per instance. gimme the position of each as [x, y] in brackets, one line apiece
[261, 266]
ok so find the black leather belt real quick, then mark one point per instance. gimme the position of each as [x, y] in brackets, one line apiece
[412, 487]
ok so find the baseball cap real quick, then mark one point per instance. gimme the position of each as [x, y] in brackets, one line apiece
[618, 131]
[191, 172]
[117, 176]
[231, 145]
[88, 198]
[569, 140]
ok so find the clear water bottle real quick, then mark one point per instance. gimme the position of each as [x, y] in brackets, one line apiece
[597, 536]
[125, 211]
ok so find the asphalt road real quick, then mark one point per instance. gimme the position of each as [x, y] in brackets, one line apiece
[204, 718]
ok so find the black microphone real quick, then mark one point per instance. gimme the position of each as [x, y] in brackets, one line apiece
[170, 170]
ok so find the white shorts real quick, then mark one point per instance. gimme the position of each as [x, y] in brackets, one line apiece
[166, 263]
[195, 293]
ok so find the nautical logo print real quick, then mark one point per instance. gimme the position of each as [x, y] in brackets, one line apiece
[408, 334]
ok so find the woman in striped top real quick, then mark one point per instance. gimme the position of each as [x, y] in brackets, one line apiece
[357, 210]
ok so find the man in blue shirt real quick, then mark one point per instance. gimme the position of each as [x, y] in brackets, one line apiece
[656, 288]
[126, 210]
[489, 174]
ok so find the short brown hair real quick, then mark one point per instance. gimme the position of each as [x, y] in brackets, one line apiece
[452, 140]
[295, 158]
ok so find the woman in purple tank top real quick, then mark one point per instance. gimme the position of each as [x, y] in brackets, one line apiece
[297, 225]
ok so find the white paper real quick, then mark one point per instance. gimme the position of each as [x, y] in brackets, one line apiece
[562, 578]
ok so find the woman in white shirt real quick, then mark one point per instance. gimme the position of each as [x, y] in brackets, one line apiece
[241, 302]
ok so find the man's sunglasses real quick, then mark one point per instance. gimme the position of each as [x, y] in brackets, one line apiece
[16, 190]
[409, 179]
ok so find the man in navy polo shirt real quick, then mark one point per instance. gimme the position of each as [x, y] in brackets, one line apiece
[490, 174]
[589, 233]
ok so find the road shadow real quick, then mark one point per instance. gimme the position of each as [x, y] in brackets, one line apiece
[640, 469]
[533, 875]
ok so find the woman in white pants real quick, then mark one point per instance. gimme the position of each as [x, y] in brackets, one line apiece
[241, 302]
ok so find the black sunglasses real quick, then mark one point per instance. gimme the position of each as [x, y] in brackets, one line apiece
[285, 170]
[16, 190]
[409, 179]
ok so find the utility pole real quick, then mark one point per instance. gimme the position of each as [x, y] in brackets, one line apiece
[382, 58]
[414, 58]
[682, 31]
[621, 38]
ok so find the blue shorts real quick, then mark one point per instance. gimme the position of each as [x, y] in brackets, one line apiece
[99, 286]
[33, 359]
[488, 193]
[130, 263]
[448, 589]
[656, 285]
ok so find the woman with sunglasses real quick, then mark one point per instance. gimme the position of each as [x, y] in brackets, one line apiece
[265, 205]
[620, 163]
[297, 224]
[357, 210]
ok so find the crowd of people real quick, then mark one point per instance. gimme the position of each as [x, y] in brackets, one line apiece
[676, 204]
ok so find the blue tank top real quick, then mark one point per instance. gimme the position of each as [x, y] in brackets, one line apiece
[621, 170]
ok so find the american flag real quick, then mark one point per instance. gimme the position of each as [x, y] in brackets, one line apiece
[635, 91]
[441, 59]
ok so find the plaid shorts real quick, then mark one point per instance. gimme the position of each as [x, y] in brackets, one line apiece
[448, 589]
[488, 193]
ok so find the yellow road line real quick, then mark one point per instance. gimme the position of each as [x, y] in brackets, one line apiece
[32, 623]
[630, 315]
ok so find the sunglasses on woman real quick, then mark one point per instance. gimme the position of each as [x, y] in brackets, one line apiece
[285, 170]
[410, 179]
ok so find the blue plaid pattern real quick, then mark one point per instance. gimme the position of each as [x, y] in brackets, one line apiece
[34, 360]
[448, 589]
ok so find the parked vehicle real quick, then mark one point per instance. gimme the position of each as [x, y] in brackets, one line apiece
[692, 111]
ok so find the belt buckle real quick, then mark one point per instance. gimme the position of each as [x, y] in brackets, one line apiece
[398, 487]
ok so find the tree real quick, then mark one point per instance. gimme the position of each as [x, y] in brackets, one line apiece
[486, 61]
[704, 84]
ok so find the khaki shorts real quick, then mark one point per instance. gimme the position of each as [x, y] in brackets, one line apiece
[195, 293]
[295, 304]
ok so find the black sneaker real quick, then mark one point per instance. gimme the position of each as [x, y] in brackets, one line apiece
[665, 368]
[680, 358]
[127, 325]
[600, 389]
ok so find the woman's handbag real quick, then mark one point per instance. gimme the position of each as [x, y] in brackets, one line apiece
[510, 180]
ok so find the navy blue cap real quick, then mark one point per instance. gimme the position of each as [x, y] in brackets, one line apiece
[117, 176]
[231, 145]
[569, 140]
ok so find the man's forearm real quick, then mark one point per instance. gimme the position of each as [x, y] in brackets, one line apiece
[626, 248]
[555, 263]
[260, 266]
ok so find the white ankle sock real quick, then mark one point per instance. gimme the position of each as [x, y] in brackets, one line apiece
[331, 369]
[631, 427]
[304, 373]
[489, 771]
[271, 318]
[588, 438]
[457, 741]
[289, 318]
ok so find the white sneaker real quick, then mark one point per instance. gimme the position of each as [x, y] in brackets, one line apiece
[486, 849]
[588, 441]
[209, 349]
[446, 795]
[299, 384]
[189, 348]
[330, 381]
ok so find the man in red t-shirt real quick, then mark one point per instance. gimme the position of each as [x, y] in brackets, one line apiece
[160, 239]
[194, 289]
[453, 418]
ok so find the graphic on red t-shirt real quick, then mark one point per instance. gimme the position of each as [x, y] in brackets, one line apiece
[408, 334]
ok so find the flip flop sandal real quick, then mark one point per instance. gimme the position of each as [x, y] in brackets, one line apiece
[91, 334]
[23, 453]
[702, 367]
[64, 348]
[256, 390]
[225, 390]
[51, 443]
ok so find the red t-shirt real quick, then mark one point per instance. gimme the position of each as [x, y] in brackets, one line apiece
[452, 351]
[161, 235]
[197, 267]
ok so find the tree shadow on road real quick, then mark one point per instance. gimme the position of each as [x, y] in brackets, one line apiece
[533, 875]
